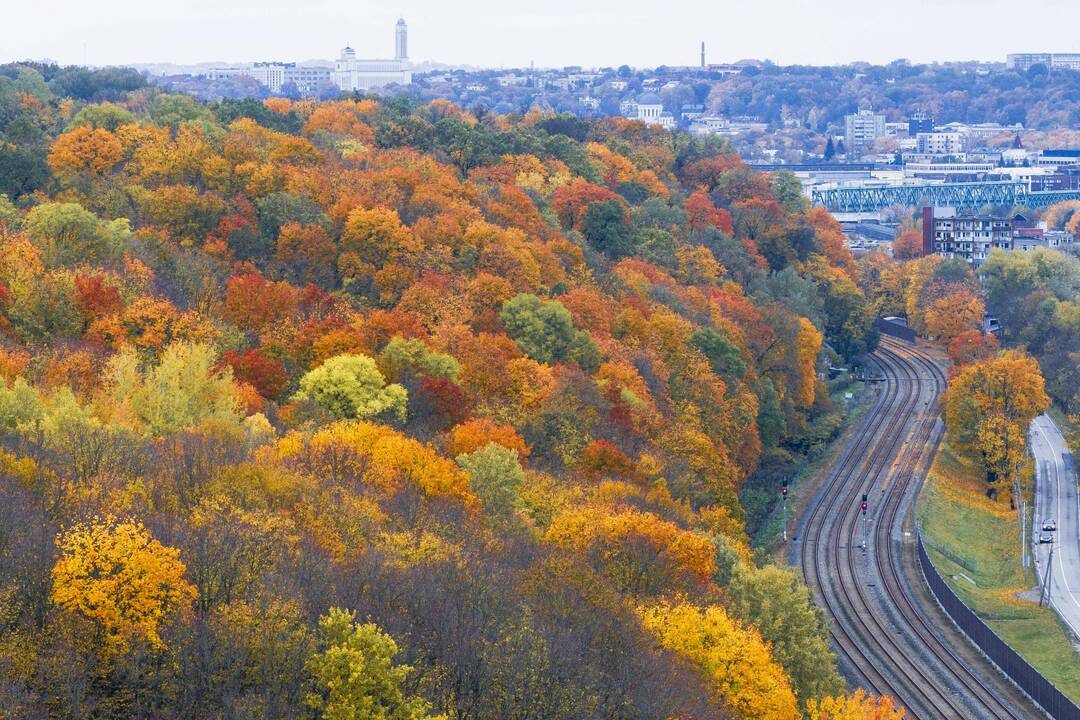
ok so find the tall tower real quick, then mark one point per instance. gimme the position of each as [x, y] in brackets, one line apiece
[702, 54]
[401, 44]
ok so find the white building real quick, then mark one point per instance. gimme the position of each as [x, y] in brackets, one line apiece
[351, 73]
[650, 109]
[940, 143]
[274, 75]
[861, 131]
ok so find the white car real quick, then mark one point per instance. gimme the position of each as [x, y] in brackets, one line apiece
[1049, 525]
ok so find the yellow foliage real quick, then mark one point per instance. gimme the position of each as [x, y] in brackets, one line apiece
[639, 550]
[734, 658]
[858, 706]
[377, 456]
[808, 345]
[119, 577]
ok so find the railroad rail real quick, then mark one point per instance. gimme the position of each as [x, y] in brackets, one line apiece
[881, 633]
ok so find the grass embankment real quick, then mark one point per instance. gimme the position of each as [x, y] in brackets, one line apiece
[975, 544]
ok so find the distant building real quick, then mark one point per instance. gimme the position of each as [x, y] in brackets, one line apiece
[1055, 61]
[939, 143]
[352, 73]
[648, 108]
[920, 122]
[275, 75]
[972, 237]
[861, 131]
[968, 237]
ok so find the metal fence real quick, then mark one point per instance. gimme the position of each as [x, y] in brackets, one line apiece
[1030, 680]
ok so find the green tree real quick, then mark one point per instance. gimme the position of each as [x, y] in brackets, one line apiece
[354, 674]
[724, 356]
[351, 386]
[401, 356]
[606, 228]
[776, 601]
[788, 191]
[106, 116]
[175, 110]
[545, 332]
[66, 233]
[495, 476]
[178, 393]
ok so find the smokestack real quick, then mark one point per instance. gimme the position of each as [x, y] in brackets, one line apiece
[702, 54]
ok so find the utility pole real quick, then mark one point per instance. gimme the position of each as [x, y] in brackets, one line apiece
[1047, 577]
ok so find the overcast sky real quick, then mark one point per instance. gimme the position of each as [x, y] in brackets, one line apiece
[507, 33]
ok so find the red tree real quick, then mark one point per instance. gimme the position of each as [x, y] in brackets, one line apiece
[267, 375]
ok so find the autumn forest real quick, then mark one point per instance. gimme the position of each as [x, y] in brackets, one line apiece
[376, 409]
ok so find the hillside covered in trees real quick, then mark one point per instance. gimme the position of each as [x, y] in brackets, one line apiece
[371, 409]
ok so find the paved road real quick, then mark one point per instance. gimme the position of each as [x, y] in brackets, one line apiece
[1056, 498]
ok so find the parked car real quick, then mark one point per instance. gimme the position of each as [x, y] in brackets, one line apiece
[1049, 525]
[1046, 538]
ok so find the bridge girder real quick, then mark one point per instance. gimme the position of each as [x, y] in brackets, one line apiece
[963, 195]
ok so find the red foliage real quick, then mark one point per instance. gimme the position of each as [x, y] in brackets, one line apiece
[972, 346]
[707, 171]
[253, 302]
[574, 198]
[94, 298]
[601, 458]
[5, 295]
[266, 375]
[702, 214]
[445, 398]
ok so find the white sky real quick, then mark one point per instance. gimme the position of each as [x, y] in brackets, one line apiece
[498, 33]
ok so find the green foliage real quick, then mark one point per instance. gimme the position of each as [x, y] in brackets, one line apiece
[351, 386]
[495, 476]
[179, 392]
[66, 234]
[105, 116]
[606, 228]
[354, 674]
[775, 600]
[401, 356]
[771, 422]
[724, 355]
[176, 110]
[22, 170]
[10, 217]
[544, 330]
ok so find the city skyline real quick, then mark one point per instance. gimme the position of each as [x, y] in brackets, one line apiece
[484, 33]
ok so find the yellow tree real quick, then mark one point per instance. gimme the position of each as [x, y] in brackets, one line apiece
[953, 314]
[85, 150]
[734, 658]
[988, 406]
[858, 706]
[116, 575]
[808, 345]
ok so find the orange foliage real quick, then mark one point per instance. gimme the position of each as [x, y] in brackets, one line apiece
[252, 302]
[474, 434]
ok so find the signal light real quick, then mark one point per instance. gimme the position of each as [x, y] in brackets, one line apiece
[784, 492]
[864, 506]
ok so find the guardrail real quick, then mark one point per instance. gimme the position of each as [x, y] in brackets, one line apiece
[1027, 678]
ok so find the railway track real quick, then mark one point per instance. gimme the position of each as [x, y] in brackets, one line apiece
[882, 634]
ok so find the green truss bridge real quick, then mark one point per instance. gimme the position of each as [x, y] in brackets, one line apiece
[962, 195]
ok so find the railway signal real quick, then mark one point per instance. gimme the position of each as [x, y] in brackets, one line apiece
[783, 493]
[864, 506]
